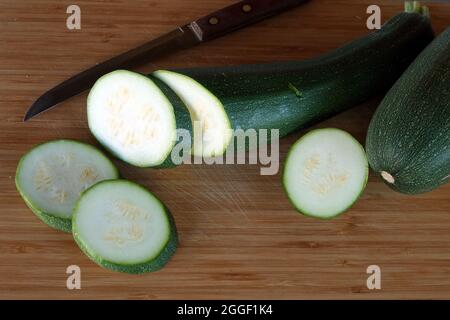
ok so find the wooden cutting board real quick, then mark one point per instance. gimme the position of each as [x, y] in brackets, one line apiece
[240, 238]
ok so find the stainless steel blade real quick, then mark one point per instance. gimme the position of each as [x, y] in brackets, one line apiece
[181, 38]
[216, 24]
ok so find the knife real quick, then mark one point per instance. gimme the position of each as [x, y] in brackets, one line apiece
[214, 25]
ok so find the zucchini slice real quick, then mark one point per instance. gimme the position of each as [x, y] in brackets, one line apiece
[51, 176]
[207, 114]
[325, 173]
[121, 226]
[131, 117]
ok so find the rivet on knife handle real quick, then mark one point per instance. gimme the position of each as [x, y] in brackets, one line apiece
[212, 26]
[239, 15]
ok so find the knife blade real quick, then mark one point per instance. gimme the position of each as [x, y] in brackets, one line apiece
[209, 27]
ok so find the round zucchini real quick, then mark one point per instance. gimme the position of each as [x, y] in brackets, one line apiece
[325, 173]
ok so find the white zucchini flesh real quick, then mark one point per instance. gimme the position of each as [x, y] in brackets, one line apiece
[325, 173]
[122, 226]
[51, 177]
[207, 114]
[131, 117]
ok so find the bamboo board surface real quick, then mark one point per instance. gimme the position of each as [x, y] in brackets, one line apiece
[240, 238]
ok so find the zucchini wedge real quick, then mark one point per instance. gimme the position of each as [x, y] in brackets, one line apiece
[51, 176]
[207, 114]
[408, 141]
[123, 227]
[325, 173]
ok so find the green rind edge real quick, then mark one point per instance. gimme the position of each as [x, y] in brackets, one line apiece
[55, 222]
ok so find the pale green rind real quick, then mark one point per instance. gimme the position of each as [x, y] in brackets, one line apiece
[52, 219]
[55, 222]
[152, 264]
[293, 202]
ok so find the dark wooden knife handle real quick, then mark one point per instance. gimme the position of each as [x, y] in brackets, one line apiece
[239, 15]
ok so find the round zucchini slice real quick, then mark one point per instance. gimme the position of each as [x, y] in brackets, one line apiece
[121, 226]
[325, 173]
[51, 176]
[132, 118]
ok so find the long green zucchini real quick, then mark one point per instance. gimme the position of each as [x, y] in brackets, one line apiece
[291, 95]
[285, 96]
[408, 142]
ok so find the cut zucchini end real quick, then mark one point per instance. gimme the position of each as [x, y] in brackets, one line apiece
[51, 176]
[416, 7]
[387, 177]
[132, 118]
[206, 110]
[325, 173]
[121, 226]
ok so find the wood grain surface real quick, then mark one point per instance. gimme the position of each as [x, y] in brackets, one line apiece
[240, 238]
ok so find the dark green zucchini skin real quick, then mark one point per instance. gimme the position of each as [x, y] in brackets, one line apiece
[182, 118]
[292, 95]
[409, 135]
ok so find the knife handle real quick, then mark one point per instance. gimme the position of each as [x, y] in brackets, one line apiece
[239, 15]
